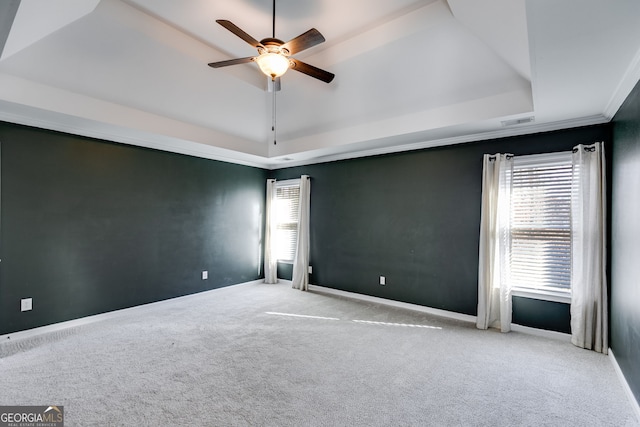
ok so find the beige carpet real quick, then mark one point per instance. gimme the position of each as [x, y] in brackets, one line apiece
[244, 355]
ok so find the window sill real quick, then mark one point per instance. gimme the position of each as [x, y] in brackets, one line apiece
[542, 295]
[284, 262]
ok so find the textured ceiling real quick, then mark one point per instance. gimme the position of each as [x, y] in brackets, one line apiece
[409, 73]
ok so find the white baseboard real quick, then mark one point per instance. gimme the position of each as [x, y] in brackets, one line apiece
[321, 289]
[392, 303]
[625, 385]
[435, 311]
[56, 327]
[541, 332]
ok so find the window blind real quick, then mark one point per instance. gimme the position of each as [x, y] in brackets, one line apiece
[541, 223]
[287, 207]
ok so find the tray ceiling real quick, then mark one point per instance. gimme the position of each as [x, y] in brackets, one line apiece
[409, 73]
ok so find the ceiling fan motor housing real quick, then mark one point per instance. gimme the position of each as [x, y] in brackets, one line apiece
[274, 46]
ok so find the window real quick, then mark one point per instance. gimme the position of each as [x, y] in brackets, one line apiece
[540, 222]
[286, 208]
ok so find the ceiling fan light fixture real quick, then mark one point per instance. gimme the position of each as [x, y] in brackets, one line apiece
[273, 64]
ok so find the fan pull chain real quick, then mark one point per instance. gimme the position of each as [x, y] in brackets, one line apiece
[273, 118]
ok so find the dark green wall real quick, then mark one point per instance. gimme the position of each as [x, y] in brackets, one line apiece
[91, 226]
[625, 240]
[549, 315]
[414, 217]
[285, 270]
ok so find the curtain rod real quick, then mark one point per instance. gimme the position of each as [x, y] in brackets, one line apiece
[493, 158]
[590, 148]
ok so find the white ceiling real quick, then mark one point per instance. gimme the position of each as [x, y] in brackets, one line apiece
[409, 73]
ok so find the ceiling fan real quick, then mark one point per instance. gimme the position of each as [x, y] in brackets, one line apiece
[274, 55]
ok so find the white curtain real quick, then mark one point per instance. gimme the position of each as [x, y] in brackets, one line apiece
[494, 292]
[589, 328]
[300, 277]
[270, 261]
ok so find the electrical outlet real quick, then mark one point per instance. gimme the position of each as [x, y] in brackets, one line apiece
[310, 270]
[205, 275]
[26, 304]
[383, 280]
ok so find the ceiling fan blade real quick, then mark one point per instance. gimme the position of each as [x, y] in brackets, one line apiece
[238, 32]
[230, 62]
[273, 85]
[304, 41]
[312, 71]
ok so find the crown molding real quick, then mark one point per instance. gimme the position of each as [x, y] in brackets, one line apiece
[624, 88]
[214, 153]
[480, 136]
[170, 145]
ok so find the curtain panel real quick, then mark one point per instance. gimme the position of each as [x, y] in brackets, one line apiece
[300, 276]
[589, 312]
[270, 261]
[494, 291]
